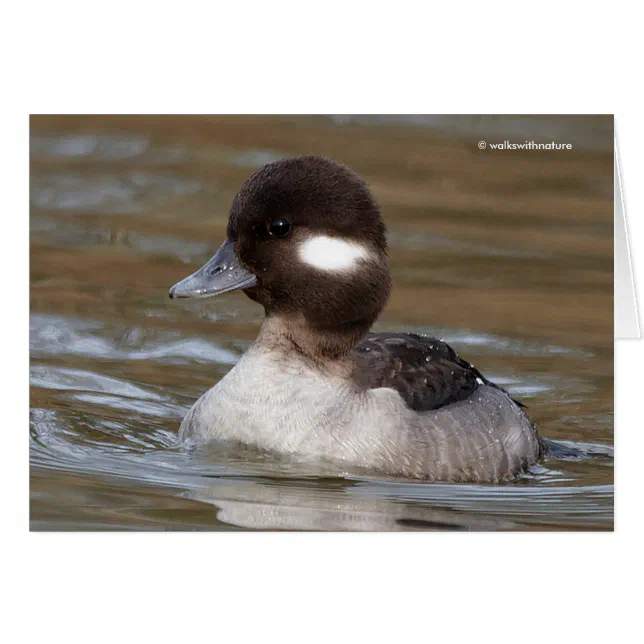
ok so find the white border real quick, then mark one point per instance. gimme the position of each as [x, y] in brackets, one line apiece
[336, 58]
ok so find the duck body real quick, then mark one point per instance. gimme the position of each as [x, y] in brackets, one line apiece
[400, 424]
[306, 241]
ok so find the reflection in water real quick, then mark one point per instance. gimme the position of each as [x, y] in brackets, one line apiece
[507, 257]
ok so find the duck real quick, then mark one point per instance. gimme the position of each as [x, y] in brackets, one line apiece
[306, 240]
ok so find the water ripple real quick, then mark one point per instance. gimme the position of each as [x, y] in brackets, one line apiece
[54, 335]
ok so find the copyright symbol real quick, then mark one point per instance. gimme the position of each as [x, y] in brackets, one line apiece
[482, 145]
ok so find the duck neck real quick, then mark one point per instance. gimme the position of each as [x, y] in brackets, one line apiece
[317, 343]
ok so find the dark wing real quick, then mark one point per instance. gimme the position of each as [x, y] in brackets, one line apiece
[425, 371]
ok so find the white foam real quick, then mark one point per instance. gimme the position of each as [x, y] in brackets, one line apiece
[331, 253]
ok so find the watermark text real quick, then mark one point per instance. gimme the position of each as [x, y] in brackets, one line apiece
[525, 145]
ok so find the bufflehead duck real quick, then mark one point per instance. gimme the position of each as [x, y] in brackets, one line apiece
[307, 242]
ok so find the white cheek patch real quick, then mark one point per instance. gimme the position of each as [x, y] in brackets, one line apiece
[331, 253]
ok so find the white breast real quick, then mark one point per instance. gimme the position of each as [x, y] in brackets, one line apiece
[275, 404]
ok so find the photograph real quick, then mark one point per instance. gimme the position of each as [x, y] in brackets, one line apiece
[323, 322]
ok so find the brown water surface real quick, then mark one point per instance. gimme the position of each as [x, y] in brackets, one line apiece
[508, 255]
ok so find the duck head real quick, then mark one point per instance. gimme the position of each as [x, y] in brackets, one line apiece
[306, 240]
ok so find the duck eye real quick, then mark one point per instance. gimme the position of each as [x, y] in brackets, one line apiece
[279, 227]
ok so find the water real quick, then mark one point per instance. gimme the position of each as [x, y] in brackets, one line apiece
[506, 255]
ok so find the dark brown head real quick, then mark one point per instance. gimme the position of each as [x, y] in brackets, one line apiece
[305, 240]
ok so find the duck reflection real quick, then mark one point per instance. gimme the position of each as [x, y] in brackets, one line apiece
[327, 504]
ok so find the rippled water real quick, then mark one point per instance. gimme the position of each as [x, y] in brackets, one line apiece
[508, 256]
